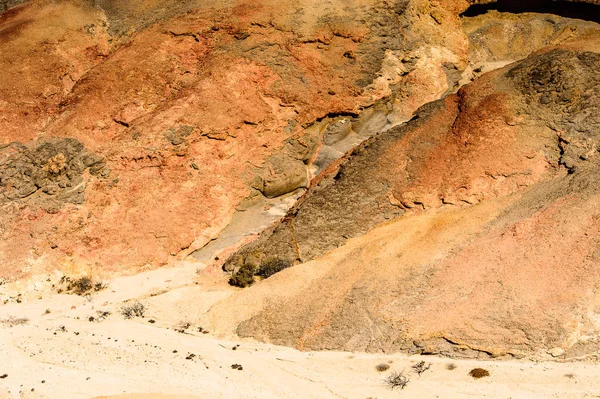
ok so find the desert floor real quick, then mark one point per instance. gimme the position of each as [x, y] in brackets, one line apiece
[49, 348]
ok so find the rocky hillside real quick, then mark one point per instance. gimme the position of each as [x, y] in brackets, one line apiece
[494, 240]
[172, 140]
[497, 248]
[132, 132]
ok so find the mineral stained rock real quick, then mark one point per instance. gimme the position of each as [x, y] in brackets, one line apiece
[191, 108]
[497, 252]
[130, 131]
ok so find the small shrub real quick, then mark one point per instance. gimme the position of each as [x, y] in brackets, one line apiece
[381, 367]
[479, 373]
[451, 366]
[397, 380]
[421, 367]
[99, 286]
[136, 309]
[182, 327]
[272, 266]
[102, 314]
[80, 286]
[244, 277]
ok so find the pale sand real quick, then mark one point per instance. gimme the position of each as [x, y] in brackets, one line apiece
[117, 357]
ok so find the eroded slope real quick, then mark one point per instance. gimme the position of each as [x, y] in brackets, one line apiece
[498, 251]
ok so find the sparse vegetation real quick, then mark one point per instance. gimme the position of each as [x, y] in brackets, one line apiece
[102, 314]
[381, 367]
[80, 286]
[421, 367]
[244, 277]
[99, 286]
[14, 321]
[451, 366]
[136, 309]
[271, 266]
[397, 380]
[182, 327]
[479, 373]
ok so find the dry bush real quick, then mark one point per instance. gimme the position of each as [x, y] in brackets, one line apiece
[99, 286]
[82, 285]
[397, 380]
[182, 326]
[421, 367]
[479, 373]
[451, 366]
[136, 309]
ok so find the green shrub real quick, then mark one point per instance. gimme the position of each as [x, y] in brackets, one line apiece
[244, 277]
[271, 266]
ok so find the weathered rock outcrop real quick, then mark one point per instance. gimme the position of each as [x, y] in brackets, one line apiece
[54, 168]
[498, 251]
[184, 139]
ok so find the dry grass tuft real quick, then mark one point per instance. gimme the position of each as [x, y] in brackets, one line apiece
[381, 367]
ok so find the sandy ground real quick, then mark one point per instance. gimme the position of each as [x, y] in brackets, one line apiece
[59, 353]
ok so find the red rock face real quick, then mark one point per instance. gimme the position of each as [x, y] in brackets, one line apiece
[182, 115]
